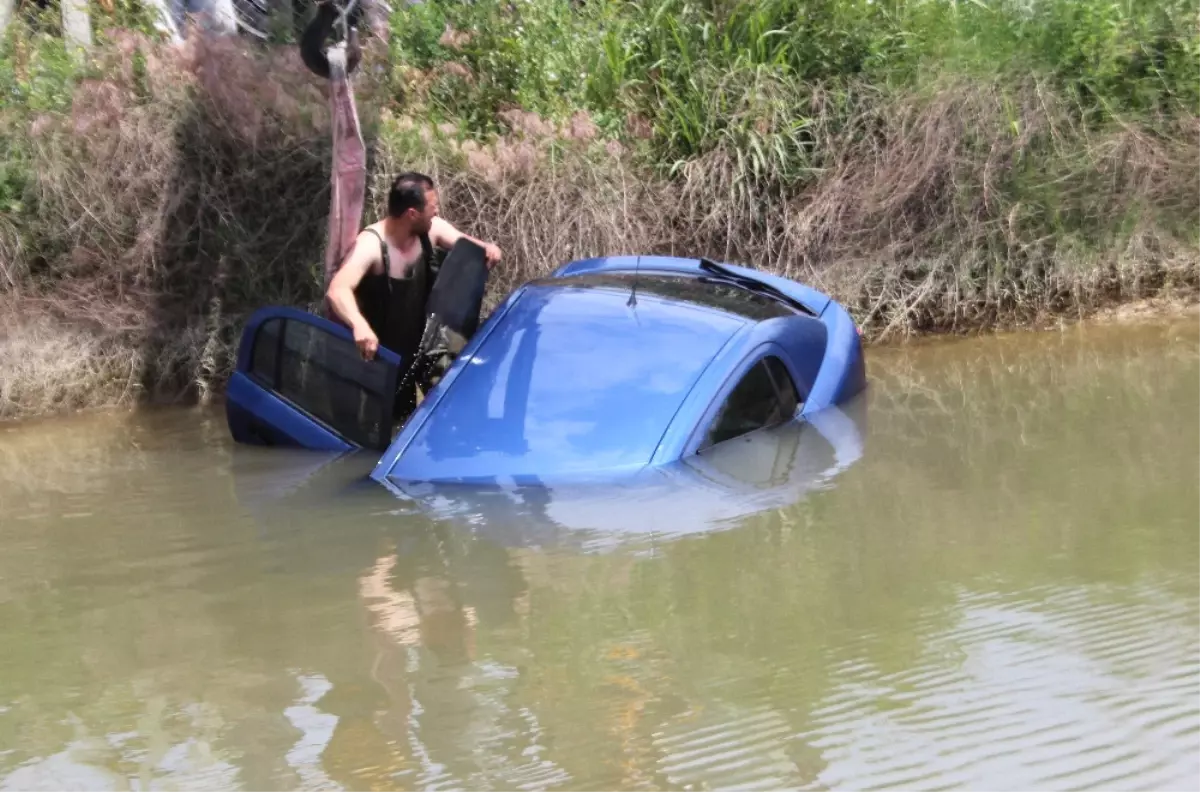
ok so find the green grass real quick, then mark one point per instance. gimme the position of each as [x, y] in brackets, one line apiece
[664, 58]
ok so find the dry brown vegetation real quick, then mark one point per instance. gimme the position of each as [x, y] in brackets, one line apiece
[174, 199]
[906, 225]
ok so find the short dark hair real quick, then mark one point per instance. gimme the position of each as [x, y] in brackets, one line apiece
[408, 192]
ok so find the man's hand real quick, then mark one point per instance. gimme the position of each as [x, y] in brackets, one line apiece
[366, 341]
[492, 252]
[444, 235]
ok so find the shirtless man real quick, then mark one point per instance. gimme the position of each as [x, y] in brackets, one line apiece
[380, 291]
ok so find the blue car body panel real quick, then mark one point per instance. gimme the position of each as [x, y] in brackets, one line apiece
[798, 344]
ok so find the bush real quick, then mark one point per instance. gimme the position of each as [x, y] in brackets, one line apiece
[158, 195]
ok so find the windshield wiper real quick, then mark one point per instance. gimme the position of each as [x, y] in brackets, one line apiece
[753, 284]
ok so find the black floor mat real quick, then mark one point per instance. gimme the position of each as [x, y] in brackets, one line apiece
[456, 300]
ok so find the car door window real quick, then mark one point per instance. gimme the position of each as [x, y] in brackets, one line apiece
[766, 396]
[789, 399]
[324, 376]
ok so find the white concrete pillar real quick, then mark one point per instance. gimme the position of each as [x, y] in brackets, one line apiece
[168, 18]
[214, 16]
[7, 7]
[77, 23]
[221, 16]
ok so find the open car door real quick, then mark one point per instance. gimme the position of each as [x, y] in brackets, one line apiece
[300, 381]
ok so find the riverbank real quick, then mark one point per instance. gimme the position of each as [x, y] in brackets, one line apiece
[155, 196]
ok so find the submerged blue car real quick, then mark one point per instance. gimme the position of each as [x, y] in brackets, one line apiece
[609, 366]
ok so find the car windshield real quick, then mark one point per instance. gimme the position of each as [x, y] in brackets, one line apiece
[570, 380]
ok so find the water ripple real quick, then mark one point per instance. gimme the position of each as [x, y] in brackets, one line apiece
[1068, 688]
[746, 751]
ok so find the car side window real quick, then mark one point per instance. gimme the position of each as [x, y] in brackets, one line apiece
[766, 396]
[324, 376]
[265, 360]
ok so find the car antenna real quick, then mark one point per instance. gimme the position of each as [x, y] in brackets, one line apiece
[632, 302]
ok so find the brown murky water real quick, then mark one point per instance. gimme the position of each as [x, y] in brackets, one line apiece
[1001, 593]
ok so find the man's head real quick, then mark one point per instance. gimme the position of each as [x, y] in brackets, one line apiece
[413, 201]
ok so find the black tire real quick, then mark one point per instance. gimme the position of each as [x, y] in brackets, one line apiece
[320, 30]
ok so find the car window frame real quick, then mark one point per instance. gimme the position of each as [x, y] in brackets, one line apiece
[248, 368]
[698, 443]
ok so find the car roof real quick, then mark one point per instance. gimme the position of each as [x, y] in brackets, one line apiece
[576, 377]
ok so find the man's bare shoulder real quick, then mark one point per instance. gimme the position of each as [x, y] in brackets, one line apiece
[370, 243]
[371, 234]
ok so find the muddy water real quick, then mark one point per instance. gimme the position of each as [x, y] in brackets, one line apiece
[1000, 593]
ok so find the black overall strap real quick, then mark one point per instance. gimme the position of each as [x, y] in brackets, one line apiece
[387, 274]
[426, 253]
[430, 274]
[422, 270]
[383, 251]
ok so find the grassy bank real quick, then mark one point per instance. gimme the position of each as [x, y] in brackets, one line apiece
[936, 166]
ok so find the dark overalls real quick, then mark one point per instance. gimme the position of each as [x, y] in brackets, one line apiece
[395, 310]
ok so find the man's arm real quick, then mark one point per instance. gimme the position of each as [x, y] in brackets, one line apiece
[444, 235]
[363, 256]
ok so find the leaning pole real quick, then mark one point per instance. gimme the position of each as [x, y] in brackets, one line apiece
[348, 173]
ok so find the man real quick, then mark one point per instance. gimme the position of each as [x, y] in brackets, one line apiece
[381, 289]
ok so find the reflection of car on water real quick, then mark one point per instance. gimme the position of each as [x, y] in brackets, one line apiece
[608, 367]
[771, 469]
[640, 391]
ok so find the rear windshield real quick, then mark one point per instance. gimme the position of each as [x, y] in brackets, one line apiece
[703, 290]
